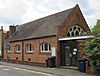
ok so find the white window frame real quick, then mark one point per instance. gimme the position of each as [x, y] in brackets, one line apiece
[28, 48]
[9, 49]
[71, 30]
[48, 47]
[17, 48]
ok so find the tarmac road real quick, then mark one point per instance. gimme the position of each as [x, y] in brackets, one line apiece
[12, 71]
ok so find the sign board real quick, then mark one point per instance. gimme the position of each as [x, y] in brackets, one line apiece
[75, 49]
[53, 51]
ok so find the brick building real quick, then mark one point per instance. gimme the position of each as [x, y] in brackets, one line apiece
[6, 35]
[61, 35]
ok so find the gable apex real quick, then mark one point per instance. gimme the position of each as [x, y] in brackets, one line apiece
[42, 27]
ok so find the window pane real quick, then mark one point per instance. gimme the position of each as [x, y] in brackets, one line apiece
[17, 47]
[46, 47]
[68, 34]
[42, 47]
[74, 28]
[72, 33]
[77, 33]
[78, 28]
[30, 48]
[49, 47]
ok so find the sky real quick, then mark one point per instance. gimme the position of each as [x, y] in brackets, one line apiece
[18, 12]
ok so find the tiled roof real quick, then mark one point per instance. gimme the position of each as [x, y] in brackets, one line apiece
[41, 27]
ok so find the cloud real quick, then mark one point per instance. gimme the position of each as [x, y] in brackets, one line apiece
[5, 26]
[95, 12]
[40, 8]
[22, 11]
[11, 11]
[95, 4]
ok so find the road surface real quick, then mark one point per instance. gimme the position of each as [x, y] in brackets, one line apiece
[12, 71]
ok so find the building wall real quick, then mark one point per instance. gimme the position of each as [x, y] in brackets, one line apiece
[36, 56]
[13, 54]
[75, 18]
[80, 47]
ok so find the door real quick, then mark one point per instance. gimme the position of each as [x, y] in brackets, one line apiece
[71, 53]
[68, 53]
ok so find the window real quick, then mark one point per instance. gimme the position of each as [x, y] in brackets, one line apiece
[45, 47]
[9, 49]
[29, 59]
[75, 31]
[16, 58]
[29, 48]
[17, 48]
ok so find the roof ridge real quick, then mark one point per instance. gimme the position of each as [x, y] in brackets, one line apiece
[48, 16]
[39, 27]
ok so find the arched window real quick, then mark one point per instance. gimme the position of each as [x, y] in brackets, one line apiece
[29, 48]
[45, 47]
[75, 31]
[17, 48]
[9, 48]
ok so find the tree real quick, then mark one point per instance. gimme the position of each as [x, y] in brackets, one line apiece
[96, 28]
[93, 47]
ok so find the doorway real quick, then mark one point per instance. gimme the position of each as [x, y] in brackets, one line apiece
[68, 53]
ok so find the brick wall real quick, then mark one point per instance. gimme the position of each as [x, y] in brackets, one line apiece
[36, 56]
[75, 18]
[15, 54]
[81, 48]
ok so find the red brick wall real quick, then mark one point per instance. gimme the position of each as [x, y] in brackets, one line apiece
[75, 18]
[13, 53]
[80, 47]
[36, 55]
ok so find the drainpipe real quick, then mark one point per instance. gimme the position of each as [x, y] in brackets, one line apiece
[2, 48]
[22, 50]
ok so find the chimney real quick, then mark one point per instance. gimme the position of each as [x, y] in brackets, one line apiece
[12, 29]
[2, 27]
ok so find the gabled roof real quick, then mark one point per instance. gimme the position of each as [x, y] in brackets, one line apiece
[41, 27]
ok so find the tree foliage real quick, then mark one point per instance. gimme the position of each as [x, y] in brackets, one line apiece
[96, 28]
[93, 47]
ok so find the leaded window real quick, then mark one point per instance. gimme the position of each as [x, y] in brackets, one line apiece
[75, 31]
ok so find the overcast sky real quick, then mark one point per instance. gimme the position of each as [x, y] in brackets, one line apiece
[22, 11]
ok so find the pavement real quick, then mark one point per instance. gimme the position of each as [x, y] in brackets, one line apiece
[55, 71]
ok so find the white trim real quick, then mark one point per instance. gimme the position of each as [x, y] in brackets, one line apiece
[17, 48]
[72, 30]
[74, 38]
[44, 51]
[28, 48]
[18, 51]
[30, 51]
[44, 47]
[9, 51]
